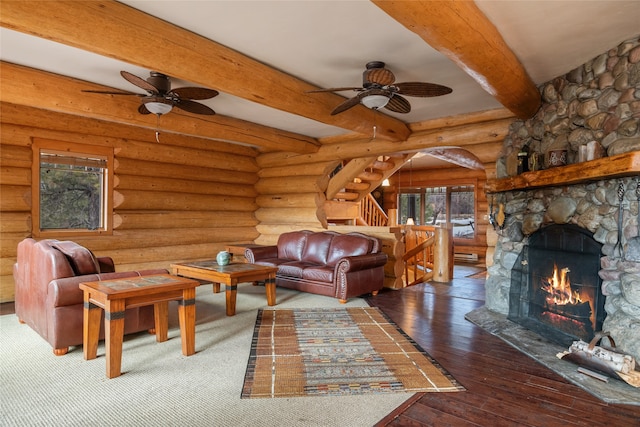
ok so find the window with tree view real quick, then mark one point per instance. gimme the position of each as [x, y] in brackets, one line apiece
[438, 205]
[73, 191]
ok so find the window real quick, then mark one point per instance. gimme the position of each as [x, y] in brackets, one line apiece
[409, 207]
[461, 211]
[73, 188]
[437, 205]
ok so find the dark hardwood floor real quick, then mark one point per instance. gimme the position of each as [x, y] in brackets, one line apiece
[503, 386]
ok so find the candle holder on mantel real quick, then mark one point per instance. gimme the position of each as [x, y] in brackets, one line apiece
[523, 161]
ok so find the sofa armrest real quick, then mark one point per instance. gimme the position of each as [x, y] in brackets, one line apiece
[361, 262]
[106, 264]
[66, 291]
[63, 292]
[259, 253]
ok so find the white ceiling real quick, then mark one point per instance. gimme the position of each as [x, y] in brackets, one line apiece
[328, 43]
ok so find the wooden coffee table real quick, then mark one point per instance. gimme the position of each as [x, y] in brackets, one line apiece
[230, 275]
[115, 296]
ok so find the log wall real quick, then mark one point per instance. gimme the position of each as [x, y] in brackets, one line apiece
[291, 197]
[185, 198]
[178, 200]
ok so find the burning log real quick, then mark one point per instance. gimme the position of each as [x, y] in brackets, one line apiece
[578, 311]
[562, 299]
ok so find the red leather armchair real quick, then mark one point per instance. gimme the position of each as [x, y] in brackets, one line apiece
[47, 298]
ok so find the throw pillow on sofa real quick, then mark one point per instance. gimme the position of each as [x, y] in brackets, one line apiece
[81, 259]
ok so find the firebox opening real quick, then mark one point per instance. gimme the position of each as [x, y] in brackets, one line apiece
[555, 287]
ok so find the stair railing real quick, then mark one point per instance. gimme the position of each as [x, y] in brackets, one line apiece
[371, 213]
[419, 256]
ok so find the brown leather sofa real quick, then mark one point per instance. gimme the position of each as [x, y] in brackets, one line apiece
[47, 298]
[325, 263]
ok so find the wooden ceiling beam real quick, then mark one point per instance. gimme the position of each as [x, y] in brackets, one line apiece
[460, 30]
[483, 135]
[29, 87]
[59, 126]
[121, 32]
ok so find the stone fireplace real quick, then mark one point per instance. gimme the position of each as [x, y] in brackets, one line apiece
[591, 113]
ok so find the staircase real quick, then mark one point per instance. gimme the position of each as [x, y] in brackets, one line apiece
[348, 194]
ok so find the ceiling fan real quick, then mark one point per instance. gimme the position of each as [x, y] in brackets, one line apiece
[379, 90]
[160, 98]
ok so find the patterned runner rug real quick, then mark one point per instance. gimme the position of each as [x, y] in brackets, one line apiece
[337, 351]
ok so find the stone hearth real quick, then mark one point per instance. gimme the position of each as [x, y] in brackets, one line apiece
[544, 352]
[591, 112]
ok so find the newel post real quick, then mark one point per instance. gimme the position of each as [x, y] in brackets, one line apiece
[443, 255]
[392, 214]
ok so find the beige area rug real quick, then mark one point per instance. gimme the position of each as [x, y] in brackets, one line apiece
[159, 385]
[337, 352]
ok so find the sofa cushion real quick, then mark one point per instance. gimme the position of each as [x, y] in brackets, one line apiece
[318, 274]
[317, 248]
[81, 259]
[292, 269]
[345, 245]
[291, 245]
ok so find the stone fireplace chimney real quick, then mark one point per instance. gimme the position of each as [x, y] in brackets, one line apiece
[588, 115]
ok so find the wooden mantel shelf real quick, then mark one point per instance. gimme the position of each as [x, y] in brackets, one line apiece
[626, 164]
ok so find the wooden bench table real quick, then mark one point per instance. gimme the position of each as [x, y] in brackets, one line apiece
[115, 296]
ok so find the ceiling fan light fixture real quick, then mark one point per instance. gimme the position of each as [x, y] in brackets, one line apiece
[375, 101]
[158, 108]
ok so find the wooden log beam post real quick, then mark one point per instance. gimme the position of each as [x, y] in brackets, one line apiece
[113, 29]
[28, 87]
[443, 254]
[468, 136]
[460, 30]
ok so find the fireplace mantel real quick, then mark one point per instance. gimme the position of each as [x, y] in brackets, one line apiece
[622, 165]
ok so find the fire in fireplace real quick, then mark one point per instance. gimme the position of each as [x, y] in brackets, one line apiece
[555, 286]
[564, 306]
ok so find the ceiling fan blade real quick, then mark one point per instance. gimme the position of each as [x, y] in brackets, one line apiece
[194, 107]
[194, 93]
[351, 102]
[107, 92]
[398, 104]
[334, 89]
[143, 110]
[380, 76]
[138, 81]
[422, 89]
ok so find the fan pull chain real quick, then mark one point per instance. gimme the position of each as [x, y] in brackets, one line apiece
[375, 128]
[158, 128]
